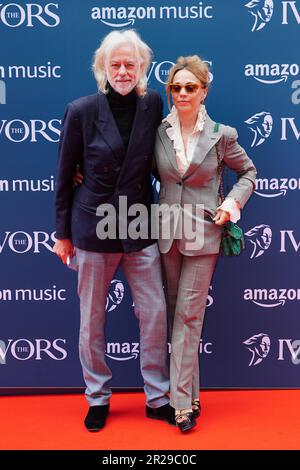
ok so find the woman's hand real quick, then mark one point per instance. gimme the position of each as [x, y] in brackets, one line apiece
[63, 249]
[78, 177]
[221, 217]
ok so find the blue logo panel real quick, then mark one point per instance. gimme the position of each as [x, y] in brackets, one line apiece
[252, 324]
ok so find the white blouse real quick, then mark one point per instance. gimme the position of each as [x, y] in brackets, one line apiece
[183, 158]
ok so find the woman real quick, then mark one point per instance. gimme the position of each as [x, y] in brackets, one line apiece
[187, 146]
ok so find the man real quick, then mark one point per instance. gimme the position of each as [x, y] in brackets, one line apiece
[110, 135]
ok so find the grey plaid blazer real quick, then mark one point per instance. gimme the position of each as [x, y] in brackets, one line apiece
[199, 185]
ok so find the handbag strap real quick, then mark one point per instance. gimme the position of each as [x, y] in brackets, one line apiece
[220, 166]
[221, 169]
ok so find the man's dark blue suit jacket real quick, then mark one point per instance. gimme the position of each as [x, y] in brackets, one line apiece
[90, 138]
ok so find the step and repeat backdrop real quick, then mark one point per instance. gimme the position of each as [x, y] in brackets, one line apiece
[252, 329]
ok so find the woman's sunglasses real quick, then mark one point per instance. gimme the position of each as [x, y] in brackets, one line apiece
[190, 88]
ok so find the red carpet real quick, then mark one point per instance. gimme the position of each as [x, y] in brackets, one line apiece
[260, 419]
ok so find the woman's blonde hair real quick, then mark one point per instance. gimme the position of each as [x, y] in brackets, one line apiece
[111, 42]
[194, 64]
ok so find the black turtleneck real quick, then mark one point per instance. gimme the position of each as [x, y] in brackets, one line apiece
[123, 110]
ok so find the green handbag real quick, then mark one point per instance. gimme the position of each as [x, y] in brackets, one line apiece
[232, 241]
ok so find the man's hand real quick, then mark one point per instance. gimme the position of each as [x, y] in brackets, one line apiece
[78, 177]
[221, 217]
[63, 249]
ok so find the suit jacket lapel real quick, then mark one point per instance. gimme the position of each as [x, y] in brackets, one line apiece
[139, 124]
[139, 128]
[207, 139]
[168, 145]
[107, 126]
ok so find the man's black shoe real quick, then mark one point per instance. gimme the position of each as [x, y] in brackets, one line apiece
[96, 417]
[165, 413]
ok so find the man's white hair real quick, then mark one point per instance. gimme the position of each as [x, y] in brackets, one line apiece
[111, 42]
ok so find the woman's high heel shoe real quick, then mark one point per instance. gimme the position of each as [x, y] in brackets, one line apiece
[196, 407]
[185, 421]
